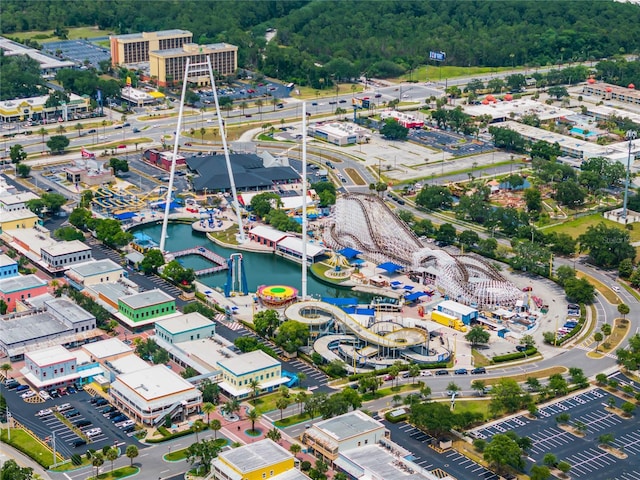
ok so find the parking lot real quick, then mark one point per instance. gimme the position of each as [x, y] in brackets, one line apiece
[77, 408]
[449, 461]
[457, 145]
[584, 456]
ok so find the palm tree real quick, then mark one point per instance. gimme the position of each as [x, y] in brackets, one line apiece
[42, 132]
[281, 404]
[6, 368]
[243, 105]
[215, 425]
[295, 449]
[301, 397]
[97, 460]
[112, 455]
[301, 377]
[104, 124]
[198, 426]
[259, 104]
[131, 452]
[78, 127]
[60, 129]
[274, 434]
[275, 101]
[202, 132]
[232, 406]
[208, 407]
[254, 416]
[254, 385]
[397, 399]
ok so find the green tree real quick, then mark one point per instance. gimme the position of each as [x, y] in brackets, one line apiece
[12, 471]
[5, 368]
[215, 425]
[625, 268]
[112, 455]
[503, 451]
[607, 253]
[274, 435]
[550, 460]
[295, 448]
[564, 467]
[570, 193]
[434, 197]
[281, 404]
[392, 130]
[579, 290]
[539, 472]
[68, 234]
[131, 452]
[292, 335]
[478, 336]
[23, 170]
[623, 309]
[468, 239]
[253, 415]
[17, 153]
[558, 385]
[57, 143]
[507, 396]
[97, 460]
[153, 259]
[606, 438]
[266, 322]
[208, 408]
[446, 234]
[119, 165]
[565, 273]
[79, 217]
[533, 200]
[479, 386]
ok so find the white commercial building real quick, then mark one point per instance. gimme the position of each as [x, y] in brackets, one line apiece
[62, 255]
[355, 429]
[238, 373]
[17, 201]
[95, 272]
[339, 133]
[150, 394]
[189, 326]
[57, 366]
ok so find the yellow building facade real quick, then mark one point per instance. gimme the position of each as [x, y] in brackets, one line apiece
[257, 461]
[18, 219]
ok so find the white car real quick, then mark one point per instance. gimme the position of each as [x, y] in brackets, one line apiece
[63, 407]
[44, 395]
[44, 413]
[125, 424]
[93, 432]
[28, 394]
[615, 288]
[425, 373]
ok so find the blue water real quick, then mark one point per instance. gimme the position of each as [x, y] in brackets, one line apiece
[260, 268]
[580, 131]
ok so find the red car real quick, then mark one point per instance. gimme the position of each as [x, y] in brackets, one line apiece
[122, 146]
[527, 289]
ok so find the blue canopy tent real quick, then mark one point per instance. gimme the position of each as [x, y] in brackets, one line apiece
[349, 253]
[408, 287]
[125, 216]
[412, 297]
[341, 302]
[390, 267]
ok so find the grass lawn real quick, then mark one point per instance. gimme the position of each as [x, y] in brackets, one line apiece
[479, 360]
[44, 36]
[547, 372]
[473, 406]
[577, 227]
[619, 332]
[183, 453]
[29, 445]
[434, 73]
[121, 472]
[355, 176]
[267, 403]
[68, 465]
[227, 236]
[288, 421]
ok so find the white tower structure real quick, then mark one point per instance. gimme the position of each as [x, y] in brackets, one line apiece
[200, 68]
[304, 200]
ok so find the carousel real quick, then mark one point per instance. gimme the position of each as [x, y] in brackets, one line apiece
[277, 296]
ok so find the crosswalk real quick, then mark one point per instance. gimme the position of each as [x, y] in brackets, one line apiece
[591, 349]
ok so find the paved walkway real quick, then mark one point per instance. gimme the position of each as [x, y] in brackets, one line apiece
[7, 452]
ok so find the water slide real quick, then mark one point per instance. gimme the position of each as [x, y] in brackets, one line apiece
[305, 312]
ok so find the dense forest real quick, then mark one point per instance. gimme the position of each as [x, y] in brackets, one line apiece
[319, 40]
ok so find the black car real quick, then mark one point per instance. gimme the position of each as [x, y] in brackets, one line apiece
[78, 443]
[129, 429]
[521, 348]
[109, 409]
[461, 371]
[442, 372]
[82, 423]
[119, 418]
[101, 402]
[53, 394]
[93, 130]
[71, 413]
[478, 370]
[114, 414]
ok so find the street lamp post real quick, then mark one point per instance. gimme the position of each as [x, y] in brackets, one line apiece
[630, 136]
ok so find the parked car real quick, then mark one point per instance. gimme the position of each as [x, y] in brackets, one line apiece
[28, 394]
[478, 370]
[71, 413]
[442, 372]
[78, 443]
[64, 406]
[82, 423]
[44, 412]
[44, 395]
[388, 378]
[93, 432]
[129, 429]
[119, 418]
[101, 402]
[114, 414]
[460, 371]
[54, 393]
[22, 388]
[521, 348]
[71, 390]
[11, 384]
[426, 373]
[125, 423]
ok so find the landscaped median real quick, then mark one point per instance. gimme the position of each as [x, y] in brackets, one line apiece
[121, 472]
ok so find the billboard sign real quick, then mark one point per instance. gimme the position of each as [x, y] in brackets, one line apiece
[437, 56]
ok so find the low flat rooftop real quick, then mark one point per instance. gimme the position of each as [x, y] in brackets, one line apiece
[23, 329]
[18, 198]
[128, 364]
[146, 299]
[22, 214]
[95, 267]
[50, 356]
[155, 382]
[17, 284]
[256, 455]
[6, 260]
[248, 362]
[64, 248]
[107, 348]
[71, 311]
[184, 323]
[348, 425]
